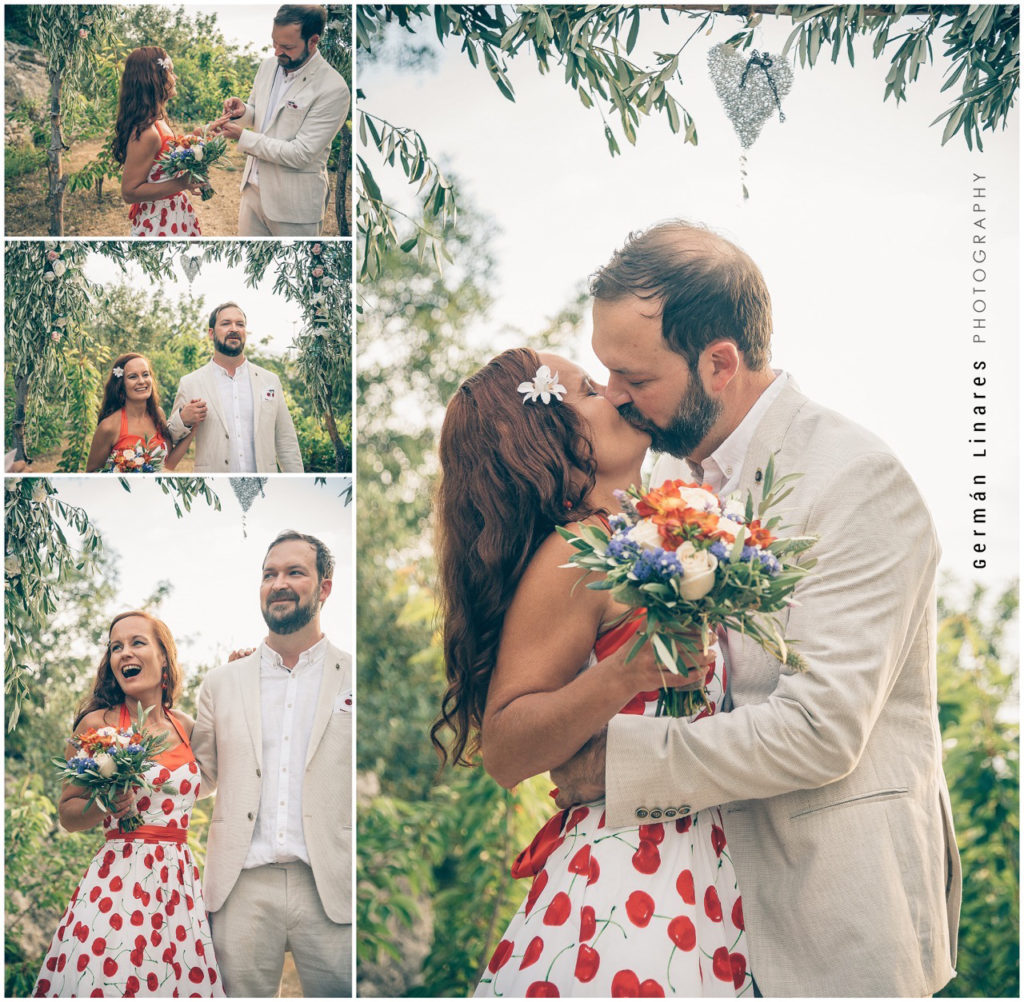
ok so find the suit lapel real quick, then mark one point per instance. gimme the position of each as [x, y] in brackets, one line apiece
[249, 685]
[257, 386]
[769, 436]
[334, 676]
[308, 75]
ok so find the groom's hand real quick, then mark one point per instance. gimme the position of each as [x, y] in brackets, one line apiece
[230, 129]
[234, 107]
[194, 412]
[581, 779]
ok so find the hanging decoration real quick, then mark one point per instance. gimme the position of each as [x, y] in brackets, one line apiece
[751, 91]
[190, 265]
[246, 490]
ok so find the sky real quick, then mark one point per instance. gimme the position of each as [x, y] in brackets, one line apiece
[862, 223]
[270, 316]
[212, 559]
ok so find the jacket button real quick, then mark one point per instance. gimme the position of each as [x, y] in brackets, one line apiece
[258, 772]
[641, 812]
[250, 815]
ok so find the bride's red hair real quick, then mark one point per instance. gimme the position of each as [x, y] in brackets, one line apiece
[510, 472]
[145, 91]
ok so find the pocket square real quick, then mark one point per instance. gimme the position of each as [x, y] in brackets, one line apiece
[344, 702]
[268, 394]
[292, 104]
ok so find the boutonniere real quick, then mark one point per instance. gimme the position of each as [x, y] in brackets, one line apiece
[292, 104]
[268, 394]
[344, 702]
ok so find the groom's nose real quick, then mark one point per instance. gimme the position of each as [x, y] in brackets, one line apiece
[616, 393]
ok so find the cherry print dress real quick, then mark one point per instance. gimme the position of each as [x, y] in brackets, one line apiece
[164, 217]
[651, 910]
[136, 925]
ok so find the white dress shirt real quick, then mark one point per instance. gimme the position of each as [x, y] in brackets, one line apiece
[236, 401]
[288, 700]
[282, 80]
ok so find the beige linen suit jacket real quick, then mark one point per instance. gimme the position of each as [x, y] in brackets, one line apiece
[276, 444]
[835, 805]
[227, 742]
[294, 147]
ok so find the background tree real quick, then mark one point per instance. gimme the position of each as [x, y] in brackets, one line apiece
[593, 45]
[336, 47]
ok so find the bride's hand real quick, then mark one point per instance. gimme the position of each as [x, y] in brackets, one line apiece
[123, 806]
[242, 652]
[648, 674]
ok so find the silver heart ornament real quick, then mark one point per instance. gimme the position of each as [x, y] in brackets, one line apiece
[745, 88]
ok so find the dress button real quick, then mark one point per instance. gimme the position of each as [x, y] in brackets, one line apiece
[685, 809]
[641, 812]
[655, 813]
[670, 812]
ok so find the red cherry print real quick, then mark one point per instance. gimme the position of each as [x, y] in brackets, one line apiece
[683, 824]
[140, 942]
[587, 962]
[533, 951]
[180, 934]
[42, 989]
[95, 893]
[600, 823]
[650, 989]
[157, 920]
[639, 908]
[717, 839]
[143, 804]
[168, 955]
[185, 786]
[137, 890]
[96, 993]
[99, 945]
[81, 932]
[646, 859]
[684, 885]
[721, 964]
[739, 969]
[163, 874]
[558, 910]
[108, 857]
[213, 975]
[51, 964]
[595, 871]
[200, 949]
[193, 768]
[137, 918]
[110, 967]
[580, 863]
[588, 922]
[712, 906]
[136, 957]
[635, 705]
[152, 982]
[155, 938]
[737, 913]
[539, 883]
[500, 956]
[61, 961]
[577, 816]
[132, 984]
[682, 932]
[190, 904]
[625, 985]
[105, 905]
[83, 962]
[653, 833]
[116, 921]
[116, 884]
[542, 990]
[195, 975]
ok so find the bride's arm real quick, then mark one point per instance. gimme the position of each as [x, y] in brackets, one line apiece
[71, 808]
[139, 157]
[102, 442]
[178, 450]
[541, 708]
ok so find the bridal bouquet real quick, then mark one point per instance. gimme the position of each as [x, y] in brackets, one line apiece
[695, 562]
[194, 156]
[109, 762]
[138, 459]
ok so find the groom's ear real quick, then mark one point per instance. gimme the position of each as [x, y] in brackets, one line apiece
[721, 363]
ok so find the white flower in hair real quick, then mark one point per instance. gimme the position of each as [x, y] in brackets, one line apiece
[165, 63]
[542, 387]
[117, 371]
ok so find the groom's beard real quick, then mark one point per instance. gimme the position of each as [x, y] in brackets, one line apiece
[231, 350]
[293, 617]
[291, 65]
[694, 417]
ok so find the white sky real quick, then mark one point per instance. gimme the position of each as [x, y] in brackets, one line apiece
[213, 566]
[245, 24]
[269, 315]
[860, 220]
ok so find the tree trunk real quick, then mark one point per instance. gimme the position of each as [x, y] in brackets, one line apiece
[342, 457]
[57, 183]
[21, 395]
[341, 187]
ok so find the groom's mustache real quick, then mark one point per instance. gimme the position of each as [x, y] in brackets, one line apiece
[630, 413]
[279, 596]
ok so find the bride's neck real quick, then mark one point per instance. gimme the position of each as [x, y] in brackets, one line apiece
[603, 493]
[135, 409]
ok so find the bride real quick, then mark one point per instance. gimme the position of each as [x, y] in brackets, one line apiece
[536, 666]
[160, 206]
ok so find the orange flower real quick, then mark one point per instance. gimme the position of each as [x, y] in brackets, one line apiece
[758, 536]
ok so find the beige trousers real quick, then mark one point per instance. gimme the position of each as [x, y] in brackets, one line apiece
[272, 909]
[253, 223]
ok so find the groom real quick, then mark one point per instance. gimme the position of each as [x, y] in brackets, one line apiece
[836, 809]
[297, 105]
[273, 737]
[237, 408]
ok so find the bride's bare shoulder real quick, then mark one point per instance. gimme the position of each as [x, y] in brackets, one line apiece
[148, 141]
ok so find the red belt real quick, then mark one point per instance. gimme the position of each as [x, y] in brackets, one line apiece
[151, 833]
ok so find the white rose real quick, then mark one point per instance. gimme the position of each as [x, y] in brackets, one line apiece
[645, 534]
[12, 565]
[699, 499]
[105, 765]
[59, 267]
[698, 574]
[197, 152]
[734, 508]
[736, 529]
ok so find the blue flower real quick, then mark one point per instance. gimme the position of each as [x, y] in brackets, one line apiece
[720, 550]
[622, 549]
[770, 562]
[135, 749]
[657, 565]
[618, 523]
